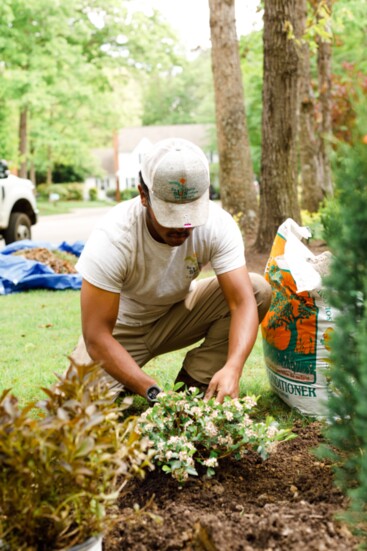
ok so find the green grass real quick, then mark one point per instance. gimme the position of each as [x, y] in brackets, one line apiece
[64, 207]
[41, 328]
[38, 331]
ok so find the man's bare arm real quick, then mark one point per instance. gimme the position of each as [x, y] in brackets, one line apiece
[99, 313]
[237, 289]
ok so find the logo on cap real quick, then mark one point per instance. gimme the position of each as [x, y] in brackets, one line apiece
[182, 192]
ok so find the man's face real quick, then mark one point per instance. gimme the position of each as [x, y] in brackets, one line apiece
[174, 237]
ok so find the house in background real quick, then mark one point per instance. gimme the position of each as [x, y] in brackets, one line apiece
[134, 142]
[121, 164]
[104, 178]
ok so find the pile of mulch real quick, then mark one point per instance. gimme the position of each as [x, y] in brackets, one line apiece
[288, 502]
[60, 262]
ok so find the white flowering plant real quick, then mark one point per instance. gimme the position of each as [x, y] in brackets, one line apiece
[186, 431]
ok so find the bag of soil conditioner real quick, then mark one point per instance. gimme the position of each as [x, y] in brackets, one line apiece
[297, 328]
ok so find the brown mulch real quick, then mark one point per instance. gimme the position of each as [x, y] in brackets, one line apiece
[288, 502]
[60, 263]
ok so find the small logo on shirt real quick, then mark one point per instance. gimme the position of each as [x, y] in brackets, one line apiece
[193, 266]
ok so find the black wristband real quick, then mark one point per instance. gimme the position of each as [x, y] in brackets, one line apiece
[152, 393]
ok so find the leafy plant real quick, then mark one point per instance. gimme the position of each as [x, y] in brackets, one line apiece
[347, 288]
[63, 461]
[186, 432]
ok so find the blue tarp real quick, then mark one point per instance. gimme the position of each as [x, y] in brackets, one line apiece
[19, 274]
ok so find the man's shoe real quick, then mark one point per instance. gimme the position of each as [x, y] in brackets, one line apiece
[188, 381]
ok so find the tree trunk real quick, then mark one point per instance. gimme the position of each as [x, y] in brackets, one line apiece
[278, 182]
[236, 177]
[324, 74]
[309, 141]
[23, 142]
[49, 166]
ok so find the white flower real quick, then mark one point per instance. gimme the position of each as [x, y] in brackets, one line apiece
[249, 402]
[196, 411]
[229, 415]
[272, 431]
[237, 404]
[211, 429]
[211, 462]
[246, 421]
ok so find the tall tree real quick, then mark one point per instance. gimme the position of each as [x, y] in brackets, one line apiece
[62, 61]
[236, 173]
[278, 181]
[309, 139]
[324, 74]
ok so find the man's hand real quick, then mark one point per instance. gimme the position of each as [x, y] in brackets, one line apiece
[223, 383]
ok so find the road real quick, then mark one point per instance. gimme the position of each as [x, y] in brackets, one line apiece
[75, 226]
[70, 227]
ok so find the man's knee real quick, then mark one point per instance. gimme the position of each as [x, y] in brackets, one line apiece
[262, 292]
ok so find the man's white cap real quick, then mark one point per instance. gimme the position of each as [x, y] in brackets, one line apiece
[176, 173]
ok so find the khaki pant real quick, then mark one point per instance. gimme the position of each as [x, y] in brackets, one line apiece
[204, 314]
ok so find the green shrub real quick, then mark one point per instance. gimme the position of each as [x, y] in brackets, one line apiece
[74, 192]
[129, 193]
[125, 194]
[93, 194]
[187, 431]
[66, 192]
[111, 193]
[44, 191]
[347, 288]
[63, 462]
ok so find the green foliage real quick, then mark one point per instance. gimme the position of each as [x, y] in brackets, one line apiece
[251, 54]
[330, 219]
[93, 192]
[186, 432]
[68, 66]
[347, 287]
[63, 462]
[67, 192]
[312, 220]
[129, 193]
[183, 95]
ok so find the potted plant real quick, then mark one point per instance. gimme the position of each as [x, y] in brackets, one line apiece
[63, 463]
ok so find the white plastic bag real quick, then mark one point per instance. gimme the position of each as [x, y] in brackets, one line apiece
[297, 328]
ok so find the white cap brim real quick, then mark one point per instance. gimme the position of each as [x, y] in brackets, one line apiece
[181, 215]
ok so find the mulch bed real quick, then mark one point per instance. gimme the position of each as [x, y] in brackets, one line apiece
[287, 502]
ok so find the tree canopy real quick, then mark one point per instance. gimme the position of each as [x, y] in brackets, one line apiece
[69, 67]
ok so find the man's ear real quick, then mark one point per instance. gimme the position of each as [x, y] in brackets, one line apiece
[143, 197]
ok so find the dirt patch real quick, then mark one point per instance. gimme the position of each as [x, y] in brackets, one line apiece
[287, 502]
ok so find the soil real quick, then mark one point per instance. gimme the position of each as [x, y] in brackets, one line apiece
[288, 502]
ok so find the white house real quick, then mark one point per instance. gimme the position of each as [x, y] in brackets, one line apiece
[121, 164]
[135, 141]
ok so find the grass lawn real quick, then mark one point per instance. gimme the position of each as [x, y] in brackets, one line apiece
[47, 208]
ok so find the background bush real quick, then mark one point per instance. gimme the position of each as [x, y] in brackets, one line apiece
[347, 287]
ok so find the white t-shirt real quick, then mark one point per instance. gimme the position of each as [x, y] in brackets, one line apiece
[122, 257]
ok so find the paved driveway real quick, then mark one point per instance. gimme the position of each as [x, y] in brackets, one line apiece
[67, 227]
